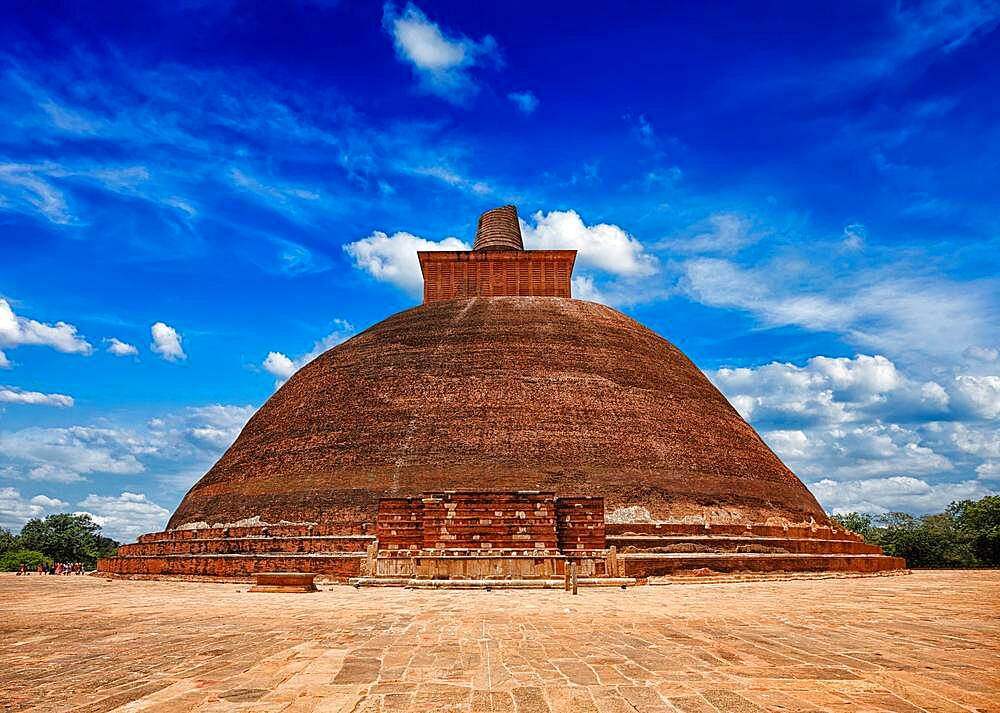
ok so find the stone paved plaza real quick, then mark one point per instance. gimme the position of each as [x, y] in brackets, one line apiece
[925, 642]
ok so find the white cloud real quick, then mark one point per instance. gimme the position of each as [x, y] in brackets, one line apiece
[719, 233]
[126, 516]
[28, 190]
[453, 178]
[854, 237]
[120, 348]
[442, 62]
[979, 394]
[897, 314]
[602, 246]
[13, 395]
[286, 198]
[16, 330]
[976, 440]
[77, 449]
[167, 342]
[4, 361]
[897, 493]
[585, 289]
[217, 425]
[48, 503]
[989, 470]
[984, 354]
[282, 367]
[825, 390]
[393, 259]
[185, 442]
[526, 102]
[279, 365]
[15, 509]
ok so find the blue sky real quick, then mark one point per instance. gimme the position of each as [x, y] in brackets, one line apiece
[195, 198]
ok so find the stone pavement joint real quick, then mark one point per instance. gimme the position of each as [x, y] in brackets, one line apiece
[927, 642]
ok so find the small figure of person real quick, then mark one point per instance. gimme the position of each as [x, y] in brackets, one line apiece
[23, 569]
[41, 569]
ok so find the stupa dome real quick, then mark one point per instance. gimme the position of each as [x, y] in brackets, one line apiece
[508, 393]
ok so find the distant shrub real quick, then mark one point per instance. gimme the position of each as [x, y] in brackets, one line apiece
[12, 560]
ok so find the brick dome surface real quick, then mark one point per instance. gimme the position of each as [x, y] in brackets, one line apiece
[499, 393]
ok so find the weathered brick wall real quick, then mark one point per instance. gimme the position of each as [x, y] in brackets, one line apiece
[339, 567]
[642, 565]
[821, 532]
[534, 273]
[580, 523]
[499, 229]
[511, 393]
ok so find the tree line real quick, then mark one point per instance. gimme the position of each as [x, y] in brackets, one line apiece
[967, 534]
[58, 538]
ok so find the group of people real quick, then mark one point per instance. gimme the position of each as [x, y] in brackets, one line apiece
[57, 568]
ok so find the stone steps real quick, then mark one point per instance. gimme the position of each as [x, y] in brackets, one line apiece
[249, 545]
[662, 564]
[728, 543]
[336, 565]
[416, 583]
[674, 528]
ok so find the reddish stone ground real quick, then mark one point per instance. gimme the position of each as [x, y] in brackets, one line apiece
[925, 642]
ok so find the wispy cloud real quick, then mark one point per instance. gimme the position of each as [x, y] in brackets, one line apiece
[441, 60]
[526, 101]
[14, 395]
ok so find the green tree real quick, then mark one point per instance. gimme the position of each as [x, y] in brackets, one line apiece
[858, 522]
[12, 560]
[8, 540]
[66, 538]
[980, 521]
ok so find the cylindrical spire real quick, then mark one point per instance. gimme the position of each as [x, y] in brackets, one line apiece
[499, 230]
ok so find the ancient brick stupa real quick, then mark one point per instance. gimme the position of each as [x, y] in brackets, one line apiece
[499, 430]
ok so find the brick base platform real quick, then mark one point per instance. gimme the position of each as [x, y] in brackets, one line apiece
[490, 535]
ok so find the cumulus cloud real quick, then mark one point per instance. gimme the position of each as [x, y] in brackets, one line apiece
[167, 342]
[15, 509]
[126, 516]
[893, 442]
[526, 102]
[989, 470]
[824, 390]
[442, 62]
[16, 331]
[279, 365]
[393, 259]
[979, 395]
[282, 367]
[893, 494]
[120, 348]
[601, 246]
[4, 361]
[13, 395]
[183, 441]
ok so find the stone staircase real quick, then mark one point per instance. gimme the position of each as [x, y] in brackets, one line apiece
[662, 549]
[338, 552]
